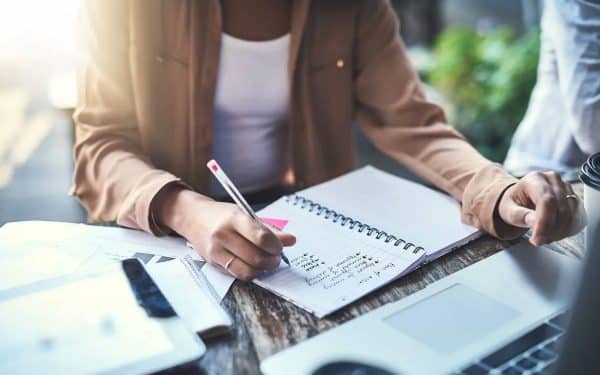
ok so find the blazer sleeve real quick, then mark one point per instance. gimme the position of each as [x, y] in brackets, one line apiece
[114, 178]
[398, 119]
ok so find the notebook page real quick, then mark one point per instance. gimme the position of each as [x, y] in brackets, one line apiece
[409, 210]
[331, 265]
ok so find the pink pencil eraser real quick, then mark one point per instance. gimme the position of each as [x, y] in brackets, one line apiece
[213, 165]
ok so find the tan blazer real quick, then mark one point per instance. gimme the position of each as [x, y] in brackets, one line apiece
[146, 90]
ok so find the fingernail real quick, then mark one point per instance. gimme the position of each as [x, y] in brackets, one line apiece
[289, 240]
[529, 219]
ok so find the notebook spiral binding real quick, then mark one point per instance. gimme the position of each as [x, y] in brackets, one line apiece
[349, 222]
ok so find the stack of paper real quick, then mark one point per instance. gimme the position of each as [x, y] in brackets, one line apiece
[36, 255]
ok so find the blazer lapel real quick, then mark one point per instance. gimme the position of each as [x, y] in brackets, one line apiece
[146, 24]
[205, 42]
[300, 10]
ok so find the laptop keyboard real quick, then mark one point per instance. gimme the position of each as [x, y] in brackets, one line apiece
[533, 353]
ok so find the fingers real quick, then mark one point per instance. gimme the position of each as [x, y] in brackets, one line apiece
[563, 209]
[579, 215]
[242, 270]
[556, 216]
[225, 233]
[287, 239]
[574, 204]
[220, 257]
[543, 197]
[517, 215]
[246, 250]
[260, 236]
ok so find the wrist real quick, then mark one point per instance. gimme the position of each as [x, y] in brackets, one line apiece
[502, 228]
[172, 205]
[501, 202]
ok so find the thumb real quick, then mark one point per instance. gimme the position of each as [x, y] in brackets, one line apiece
[287, 239]
[514, 214]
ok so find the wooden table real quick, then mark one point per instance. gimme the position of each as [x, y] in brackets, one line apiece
[266, 324]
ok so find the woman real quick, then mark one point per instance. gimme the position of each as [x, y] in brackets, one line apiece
[271, 88]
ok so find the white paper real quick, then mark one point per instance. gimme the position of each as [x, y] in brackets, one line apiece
[35, 253]
[190, 298]
[34, 266]
[406, 209]
[220, 282]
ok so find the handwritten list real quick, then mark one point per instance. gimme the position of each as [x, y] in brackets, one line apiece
[331, 265]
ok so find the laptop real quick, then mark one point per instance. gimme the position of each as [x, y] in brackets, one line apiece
[506, 314]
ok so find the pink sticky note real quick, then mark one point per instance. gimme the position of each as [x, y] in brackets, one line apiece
[277, 223]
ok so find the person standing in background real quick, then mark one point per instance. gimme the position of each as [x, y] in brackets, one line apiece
[562, 125]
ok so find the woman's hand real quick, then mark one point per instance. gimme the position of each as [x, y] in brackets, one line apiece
[544, 203]
[222, 233]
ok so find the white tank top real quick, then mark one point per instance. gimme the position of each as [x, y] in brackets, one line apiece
[250, 115]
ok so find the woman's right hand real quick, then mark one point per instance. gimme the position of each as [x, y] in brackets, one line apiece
[221, 233]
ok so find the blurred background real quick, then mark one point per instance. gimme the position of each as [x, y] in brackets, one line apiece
[478, 59]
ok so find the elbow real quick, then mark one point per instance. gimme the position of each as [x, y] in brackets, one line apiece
[81, 192]
[88, 188]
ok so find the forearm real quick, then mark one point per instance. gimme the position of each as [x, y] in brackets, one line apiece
[113, 178]
[171, 207]
[439, 155]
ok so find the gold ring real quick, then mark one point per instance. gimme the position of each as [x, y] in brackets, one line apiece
[571, 196]
[229, 263]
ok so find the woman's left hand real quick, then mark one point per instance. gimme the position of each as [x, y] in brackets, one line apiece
[544, 203]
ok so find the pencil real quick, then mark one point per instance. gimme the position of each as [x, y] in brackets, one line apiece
[235, 194]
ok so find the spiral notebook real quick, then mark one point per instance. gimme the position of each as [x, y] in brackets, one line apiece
[357, 233]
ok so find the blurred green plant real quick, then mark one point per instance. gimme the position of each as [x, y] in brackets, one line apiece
[488, 79]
